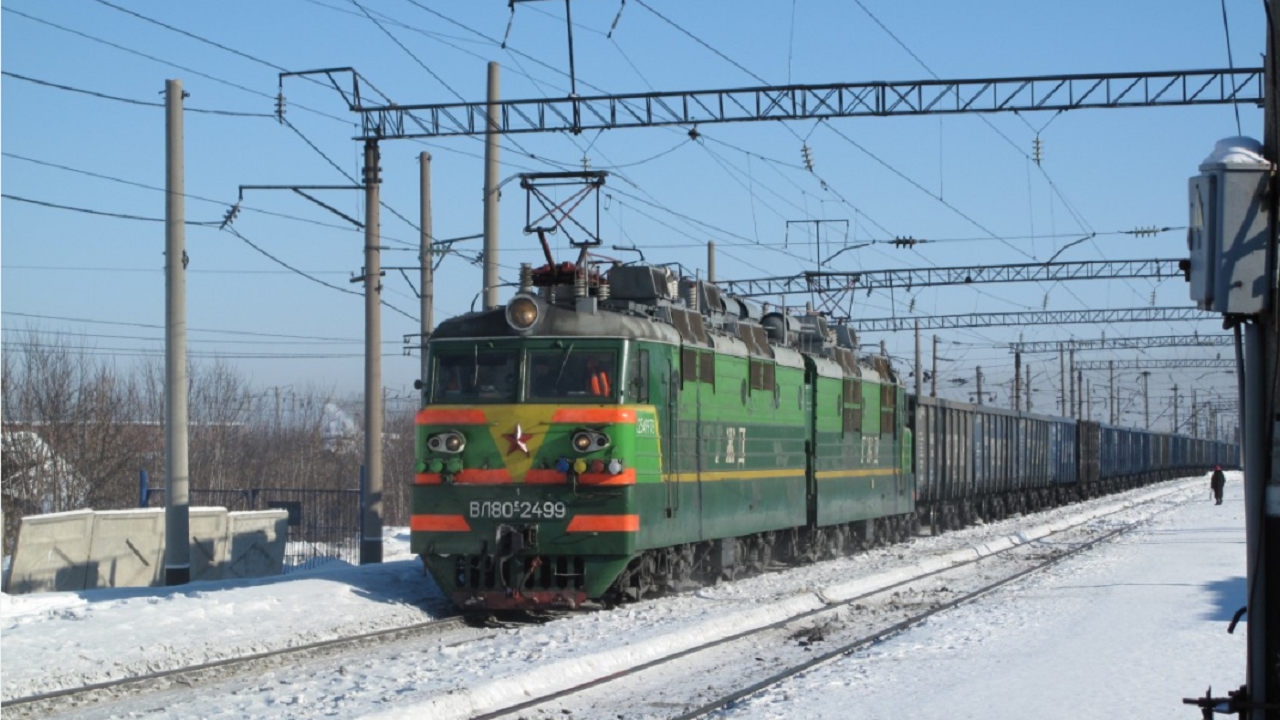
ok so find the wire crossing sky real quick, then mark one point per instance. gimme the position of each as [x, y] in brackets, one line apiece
[83, 157]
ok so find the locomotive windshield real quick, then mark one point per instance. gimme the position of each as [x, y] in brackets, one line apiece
[475, 376]
[569, 374]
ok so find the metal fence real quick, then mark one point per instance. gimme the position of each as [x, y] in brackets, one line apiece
[324, 525]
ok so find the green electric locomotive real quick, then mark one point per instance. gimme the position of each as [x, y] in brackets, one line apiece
[606, 435]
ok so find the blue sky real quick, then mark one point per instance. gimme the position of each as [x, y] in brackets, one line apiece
[965, 183]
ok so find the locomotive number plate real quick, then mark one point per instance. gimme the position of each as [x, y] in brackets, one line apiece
[517, 509]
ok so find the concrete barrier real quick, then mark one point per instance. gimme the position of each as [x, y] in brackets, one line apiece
[257, 543]
[125, 548]
[209, 527]
[52, 553]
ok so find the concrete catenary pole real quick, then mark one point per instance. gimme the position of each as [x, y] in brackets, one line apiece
[1071, 367]
[933, 381]
[1146, 400]
[1111, 391]
[1080, 393]
[1175, 408]
[711, 261]
[177, 500]
[978, 375]
[371, 520]
[1195, 415]
[919, 369]
[428, 323]
[1017, 380]
[491, 147]
[1062, 373]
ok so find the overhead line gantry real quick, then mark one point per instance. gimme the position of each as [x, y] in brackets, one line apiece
[1121, 343]
[1059, 317]
[1153, 364]
[821, 281]
[807, 102]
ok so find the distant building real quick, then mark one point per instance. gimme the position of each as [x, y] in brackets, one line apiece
[37, 480]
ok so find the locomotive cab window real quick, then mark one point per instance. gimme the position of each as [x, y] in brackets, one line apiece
[569, 374]
[474, 375]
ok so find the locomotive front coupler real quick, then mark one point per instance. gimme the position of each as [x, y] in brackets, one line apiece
[511, 540]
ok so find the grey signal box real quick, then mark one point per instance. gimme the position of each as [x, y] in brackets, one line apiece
[1228, 230]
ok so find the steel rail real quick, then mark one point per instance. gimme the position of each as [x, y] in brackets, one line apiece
[31, 703]
[827, 608]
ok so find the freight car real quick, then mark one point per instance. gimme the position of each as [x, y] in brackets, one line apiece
[605, 436]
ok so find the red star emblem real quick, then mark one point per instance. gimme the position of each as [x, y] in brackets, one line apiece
[518, 439]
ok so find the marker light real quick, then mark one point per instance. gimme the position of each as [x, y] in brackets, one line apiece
[562, 465]
[579, 466]
[522, 312]
[452, 442]
[615, 467]
[597, 466]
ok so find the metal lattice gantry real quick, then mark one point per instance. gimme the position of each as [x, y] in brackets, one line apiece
[1059, 317]
[1153, 364]
[827, 283]
[801, 102]
[1121, 343]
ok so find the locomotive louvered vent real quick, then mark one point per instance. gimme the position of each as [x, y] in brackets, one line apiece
[754, 337]
[559, 572]
[642, 283]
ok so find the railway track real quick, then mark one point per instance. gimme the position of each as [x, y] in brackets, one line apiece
[43, 704]
[768, 655]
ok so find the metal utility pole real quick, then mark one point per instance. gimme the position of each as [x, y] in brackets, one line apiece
[177, 500]
[711, 262]
[428, 260]
[919, 380]
[371, 516]
[978, 373]
[1028, 389]
[933, 381]
[491, 180]
[1146, 401]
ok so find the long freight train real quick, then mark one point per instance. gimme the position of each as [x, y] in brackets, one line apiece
[607, 436]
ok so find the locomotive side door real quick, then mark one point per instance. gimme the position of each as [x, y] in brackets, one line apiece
[668, 397]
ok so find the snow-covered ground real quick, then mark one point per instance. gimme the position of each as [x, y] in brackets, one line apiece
[1127, 629]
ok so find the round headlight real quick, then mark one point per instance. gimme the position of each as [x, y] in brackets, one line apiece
[451, 442]
[587, 440]
[522, 312]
